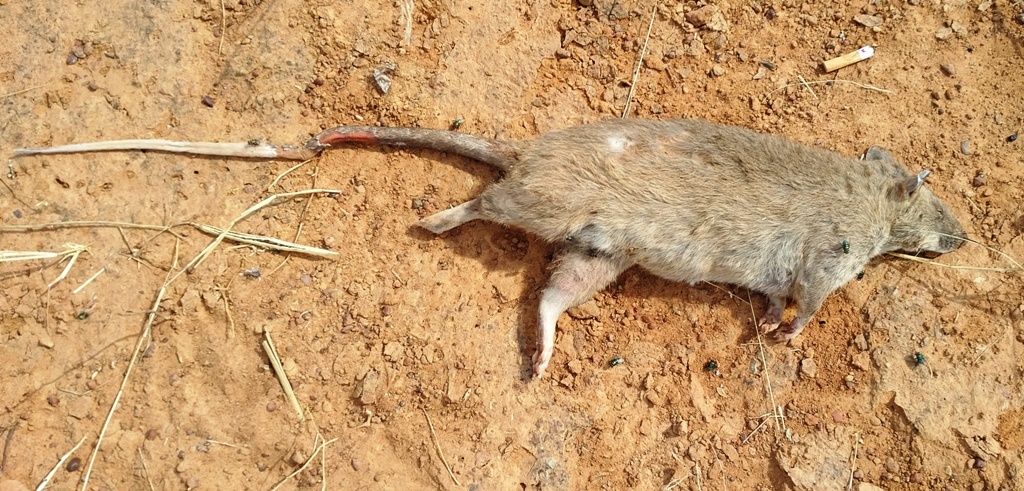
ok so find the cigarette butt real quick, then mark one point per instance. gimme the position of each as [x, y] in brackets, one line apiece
[849, 59]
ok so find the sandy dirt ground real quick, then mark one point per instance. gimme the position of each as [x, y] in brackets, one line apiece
[402, 326]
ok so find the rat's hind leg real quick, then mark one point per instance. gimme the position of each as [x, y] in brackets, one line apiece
[576, 277]
[808, 300]
[773, 317]
[446, 220]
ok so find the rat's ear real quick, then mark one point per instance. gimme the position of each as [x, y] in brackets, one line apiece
[908, 186]
[877, 153]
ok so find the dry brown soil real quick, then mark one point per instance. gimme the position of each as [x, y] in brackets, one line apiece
[403, 325]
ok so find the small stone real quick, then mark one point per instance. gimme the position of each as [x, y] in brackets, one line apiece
[701, 16]
[71, 60]
[575, 367]
[979, 180]
[208, 101]
[717, 71]
[562, 53]
[892, 466]
[875, 420]
[271, 406]
[943, 33]
[948, 69]
[586, 310]
[306, 279]
[979, 463]
[808, 369]
[79, 49]
[192, 483]
[53, 400]
[46, 341]
[152, 434]
[868, 20]
[298, 458]
[838, 417]
[357, 465]
[862, 361]
[393, 351]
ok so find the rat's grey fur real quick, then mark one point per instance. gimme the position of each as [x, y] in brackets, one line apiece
[694, 201]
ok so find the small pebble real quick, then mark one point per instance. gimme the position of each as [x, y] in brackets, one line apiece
[979, 463]
[192, 482]
[838, 417]
[152, 434]
[965, 147]
[72, 59]
[948, 69]
[979, 180]
[74, 464]
[271, 406]
[17, 213]
[306, 279]
[298, 458]
[208, 101]
[357, 464]
[769, 14]
[53, 400]
[1010, 139]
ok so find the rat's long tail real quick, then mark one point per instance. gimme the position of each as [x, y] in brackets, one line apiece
[498, 153]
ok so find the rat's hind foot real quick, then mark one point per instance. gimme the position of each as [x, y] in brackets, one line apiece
[773, 317]
[787, 332]
[541, 359]
[446, 220]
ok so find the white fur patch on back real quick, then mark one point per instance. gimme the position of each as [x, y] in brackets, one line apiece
[618, 143]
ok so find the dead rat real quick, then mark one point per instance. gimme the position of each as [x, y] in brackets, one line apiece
[686, 200]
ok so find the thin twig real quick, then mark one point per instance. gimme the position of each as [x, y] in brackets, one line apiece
[853, 465]
[832, 81]
[282, 377]
[150, 317]
[285, 173]
[7, 447]
[758, 427]
[22, 91]
[93, 224]
[223, 28]
[801, 77]
[253, 209]
[406, 6]
[639, 63]
[989, 345]
[53, 472]
[145, 470]
[950, 266]
[437, 445]
[86, 283]
[305, 464]
[776, 415]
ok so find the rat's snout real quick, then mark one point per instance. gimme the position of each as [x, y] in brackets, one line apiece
[950, 243]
